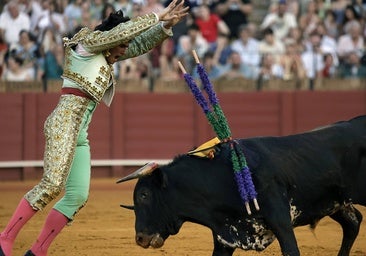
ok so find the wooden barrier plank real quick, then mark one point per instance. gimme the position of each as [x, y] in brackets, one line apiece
[162, 125]
[170, 86]
[133, 85]
[235, 85]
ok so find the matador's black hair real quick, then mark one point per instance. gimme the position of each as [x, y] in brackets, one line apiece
[113, 20]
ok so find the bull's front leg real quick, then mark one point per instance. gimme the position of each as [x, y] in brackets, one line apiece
[220, 249]
[286, 238]
[276, 212]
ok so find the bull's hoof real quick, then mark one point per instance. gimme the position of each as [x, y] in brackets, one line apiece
[29, 253]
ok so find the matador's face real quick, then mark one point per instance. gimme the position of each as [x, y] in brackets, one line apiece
[116, 53]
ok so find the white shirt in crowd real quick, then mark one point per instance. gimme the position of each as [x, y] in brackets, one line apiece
[12, 27]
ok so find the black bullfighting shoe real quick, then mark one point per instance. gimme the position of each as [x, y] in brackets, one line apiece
[1, 252]
[29, 253]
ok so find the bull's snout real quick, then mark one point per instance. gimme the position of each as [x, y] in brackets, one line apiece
[155, 241]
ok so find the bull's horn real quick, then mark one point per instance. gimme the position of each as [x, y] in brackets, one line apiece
[129, 207]
[145, 170]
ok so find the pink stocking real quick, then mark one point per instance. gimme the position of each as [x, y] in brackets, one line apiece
[55, 222]
[22, 214]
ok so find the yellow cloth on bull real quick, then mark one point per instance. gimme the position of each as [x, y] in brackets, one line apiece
[207, 149]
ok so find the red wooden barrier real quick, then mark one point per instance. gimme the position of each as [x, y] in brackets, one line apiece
[160, 126]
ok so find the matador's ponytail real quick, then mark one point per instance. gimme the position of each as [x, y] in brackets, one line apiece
[113, 20]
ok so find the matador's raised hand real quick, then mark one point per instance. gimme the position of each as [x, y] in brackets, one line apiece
[173, 13]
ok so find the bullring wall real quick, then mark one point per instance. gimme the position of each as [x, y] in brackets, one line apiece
[162, 125]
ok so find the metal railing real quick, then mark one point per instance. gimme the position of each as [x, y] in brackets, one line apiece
[94, 162]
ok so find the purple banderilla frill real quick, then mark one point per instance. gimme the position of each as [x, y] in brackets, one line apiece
[220, 125]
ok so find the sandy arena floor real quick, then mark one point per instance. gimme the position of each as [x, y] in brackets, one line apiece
[103, 228]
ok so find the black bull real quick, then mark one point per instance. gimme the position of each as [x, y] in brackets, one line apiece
[299, 180]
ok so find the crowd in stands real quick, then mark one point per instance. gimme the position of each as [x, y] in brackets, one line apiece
[304, 39]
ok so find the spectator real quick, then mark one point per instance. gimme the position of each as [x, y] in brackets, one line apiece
[247, 46]
[86, 19]
[192, 41]
[350, 16]
[268, 70]
[352, 67]
[125, 5]
[330, 67]
[323, 7]
[271, 45]
[312, 59]
[27, 50]
[161, 56]
[134, 69]
[96, 7]
[360, 8]
[169, 69]
[193, 4]
[72, 14]
[181, 29]
[25, 6]
[351, 41]
[302, 6]
[291, 63]
[234, 13]
[57, 18]
[128, 70]
[338, 7]
[327, 44]
[143, 68]
[152, 6]
[3, 52]
[108, 9]
[331, 24]
[12, 21]
[293, 6]
[279, 21]
[213, 69]
[52, 64]
[13, 70]
[61, 4]
[43, 18]
[296, 37]
[162, 59]
[236, 69]
[46, 14]
[213, 29]
[34, 10]
[49, 40]
[309, 20]
[210, 25]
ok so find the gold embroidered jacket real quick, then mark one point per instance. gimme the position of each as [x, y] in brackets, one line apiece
[91, 73]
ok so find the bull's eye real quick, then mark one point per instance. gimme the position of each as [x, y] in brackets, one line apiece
[143, 195]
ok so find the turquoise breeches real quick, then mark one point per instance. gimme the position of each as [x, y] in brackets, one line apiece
[66, 158]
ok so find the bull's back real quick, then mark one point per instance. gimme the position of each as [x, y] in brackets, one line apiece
[335, 139]
[315, 162]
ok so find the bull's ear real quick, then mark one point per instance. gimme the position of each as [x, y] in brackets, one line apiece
[143, 171]
[161, 178]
